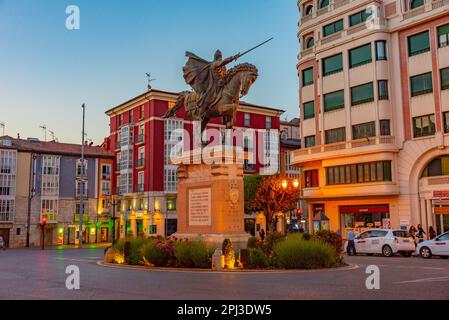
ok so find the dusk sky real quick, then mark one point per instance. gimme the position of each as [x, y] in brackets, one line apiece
[47, 71]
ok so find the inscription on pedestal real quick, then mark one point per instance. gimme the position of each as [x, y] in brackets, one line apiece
[200, 207]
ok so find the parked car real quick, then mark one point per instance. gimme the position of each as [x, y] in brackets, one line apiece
[385, 242]
[436, 247]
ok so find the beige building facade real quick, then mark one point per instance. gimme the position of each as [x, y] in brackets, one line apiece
[374, 113]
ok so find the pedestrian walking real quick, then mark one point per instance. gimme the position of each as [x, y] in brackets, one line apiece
[412, 232]
[351, 244]
[431, 234]
[2, 243]
[421, 233]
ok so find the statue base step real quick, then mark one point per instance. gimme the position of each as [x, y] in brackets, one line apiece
[239, 241]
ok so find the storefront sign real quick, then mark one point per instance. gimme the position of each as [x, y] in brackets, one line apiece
[441, 194]
[200, 207]
[441, 210]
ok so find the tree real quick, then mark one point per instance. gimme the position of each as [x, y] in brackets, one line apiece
[271, 198]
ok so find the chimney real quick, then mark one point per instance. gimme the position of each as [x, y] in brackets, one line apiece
[18, 135]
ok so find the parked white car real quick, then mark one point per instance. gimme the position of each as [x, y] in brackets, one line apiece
[385, 242]
[436, 247]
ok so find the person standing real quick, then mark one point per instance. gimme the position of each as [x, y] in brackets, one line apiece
[431, 234]
[420, 234]
[2, 243]
[351, 244]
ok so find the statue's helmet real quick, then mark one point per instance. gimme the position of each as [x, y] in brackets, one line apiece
[218, 55]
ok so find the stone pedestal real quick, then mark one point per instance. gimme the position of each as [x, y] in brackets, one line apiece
[210, 202]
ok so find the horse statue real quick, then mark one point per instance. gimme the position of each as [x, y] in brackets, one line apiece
[236, 84]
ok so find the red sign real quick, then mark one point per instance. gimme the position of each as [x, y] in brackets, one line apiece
[441, 194]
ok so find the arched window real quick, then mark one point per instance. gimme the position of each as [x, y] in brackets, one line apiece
[310, 42]
[324, 4]
[309, 10]
[437, 167]
[416, 3]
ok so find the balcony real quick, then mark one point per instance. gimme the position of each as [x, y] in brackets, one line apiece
[85, 217]
[140, 139]
[6, 217]
[117, 167]
[140, 187]
[141, 163]
[106, 176]
[52, 218]
[331, 38]
[118, 146]
[345, 149]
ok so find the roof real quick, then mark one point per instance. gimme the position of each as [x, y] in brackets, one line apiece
[53, 147]
[159, 93]
[293, 122]
[294, 143]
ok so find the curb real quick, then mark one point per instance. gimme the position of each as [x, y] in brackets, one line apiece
[101, 263]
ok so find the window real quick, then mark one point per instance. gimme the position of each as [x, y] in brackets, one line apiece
[309, 141]
[311, 179]
[80, 169]
[171, 204]
[78, 188]
[106, 171]
[6, 210]
[140, 181]
[131, 118]
[418, 43]
[120, 120]
[359, 173]
[334, 100]
[443, 36]
[381, 50]
[424, 126]
[383, 89]
[335, 135]
[416, 3]
[444, 75]
[385, 128]
[142, 112]
[49, 208]
[446, 122]
[141, 157]
[171, 179]
[359, 17]
[332, 64]
[106, 188]
[309, 110]
[247, 120]
[309, 10]
[360, 56]
[324, 4]
[421, 84]
[364, 130]
[362, 94]
[268, 122]
[332, 28]
[310, 43]
[437, 167]
[307, 77]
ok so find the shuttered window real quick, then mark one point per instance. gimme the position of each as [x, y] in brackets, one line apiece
[309, 110]
[335, 135]
[333, 64]
[359, 56]
[418, 43]
[444, 74]
[424, 126]
[443, 36]
[421, 84]
[332, 28]
[362, 94]
[364, 130]
[383, 89]
[334, 100]
[307, 76]
[359, 17]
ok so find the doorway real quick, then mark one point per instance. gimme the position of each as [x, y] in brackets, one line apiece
[5, 234]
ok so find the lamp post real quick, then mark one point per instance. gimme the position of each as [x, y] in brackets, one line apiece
[113, 201]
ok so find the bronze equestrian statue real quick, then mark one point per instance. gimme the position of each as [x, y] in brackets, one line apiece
[217, 91]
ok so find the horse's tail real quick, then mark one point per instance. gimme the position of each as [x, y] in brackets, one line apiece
[179, 103]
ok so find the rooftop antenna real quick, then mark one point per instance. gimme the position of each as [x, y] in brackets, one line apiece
[149, 81]
[53, 136]
[2, 125]
[44, 127]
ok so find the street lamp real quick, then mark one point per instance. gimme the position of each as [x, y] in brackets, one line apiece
[113, 201]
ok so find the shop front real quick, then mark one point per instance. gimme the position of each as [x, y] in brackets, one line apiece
[441, 215]
[360, 218]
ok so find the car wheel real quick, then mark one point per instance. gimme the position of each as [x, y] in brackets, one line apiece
[444, 257]
[425, 253]
[407, 254]
[387, 251]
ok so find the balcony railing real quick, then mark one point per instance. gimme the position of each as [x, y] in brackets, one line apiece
[140, 162]
[305, 52]
[381, 140]
[51, 217]
[140, 138]
[306, 18]
[6, 217]
[357, 28]
[439, 3]
[414, 12]
[332, 37]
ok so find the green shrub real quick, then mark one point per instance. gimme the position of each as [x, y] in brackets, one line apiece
[330, 237]
[134, 247]
[193, 254]
[271, 240]
[257, 259]
[252, 243]
[296, 253]
[156, 252]
[306, 236]
[119, 246]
